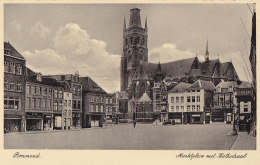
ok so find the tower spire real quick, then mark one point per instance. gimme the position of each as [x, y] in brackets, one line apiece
[124, 24]
[146, 23]
[207, 52]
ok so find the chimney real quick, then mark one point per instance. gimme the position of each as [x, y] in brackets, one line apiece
[135, 19]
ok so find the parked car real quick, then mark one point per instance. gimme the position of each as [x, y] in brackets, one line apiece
[172, 122]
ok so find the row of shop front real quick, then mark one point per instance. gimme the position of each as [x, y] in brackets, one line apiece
[35, 121]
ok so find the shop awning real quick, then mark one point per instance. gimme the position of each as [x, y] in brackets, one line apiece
[196, 115]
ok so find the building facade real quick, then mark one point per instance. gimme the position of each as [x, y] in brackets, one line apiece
[191, 103]
[76, 87]
[14, 89]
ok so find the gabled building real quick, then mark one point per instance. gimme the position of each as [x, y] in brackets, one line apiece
[14, 89]
[191, 103]
[94, 101]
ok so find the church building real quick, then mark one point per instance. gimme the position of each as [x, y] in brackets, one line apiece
[138, 76]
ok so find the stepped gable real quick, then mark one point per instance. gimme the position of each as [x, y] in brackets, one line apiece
[14, 52]
[89, 85]
[180, 87]
[176, 69]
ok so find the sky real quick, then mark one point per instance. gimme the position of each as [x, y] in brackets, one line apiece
[64, 38]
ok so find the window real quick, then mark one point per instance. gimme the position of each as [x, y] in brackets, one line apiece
[12, 103]
[44, 103]
[39, 103]
[6, 85]
[106, 100]
[6, 66]
[102, 99]
[60, 106]
[245, 108]
[193, 108]
[34, 103]
[188, 108]
[92, 108]
[96, 108]
[49, 104]
[198, 107]
[193, 99]
[102, 108]
[19, 86]
[188, 99]
[12, 86]
[34, 90]
[56, 93]
[182, 99]
[12, 68]
[78, 105]
[28, 89]
[74, 104]
[92, 98]
[19, 69]
[172, 107]
[198, 98]
[177, 99]
[177, 108]
[182, 108]
[50, 92]
[28, 102]
[69, 104]
[56, 105]
[45, 91]
[172, 99]
[60, 94]
[65, 103]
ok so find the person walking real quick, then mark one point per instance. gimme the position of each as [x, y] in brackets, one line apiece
[134, 120]
[248, 125]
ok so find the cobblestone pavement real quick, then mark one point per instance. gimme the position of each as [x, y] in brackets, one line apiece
[244, 141]
[124, 136]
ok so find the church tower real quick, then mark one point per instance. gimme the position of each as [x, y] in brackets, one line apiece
[134, 47]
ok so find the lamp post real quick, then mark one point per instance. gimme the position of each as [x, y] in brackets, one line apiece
[234, 131]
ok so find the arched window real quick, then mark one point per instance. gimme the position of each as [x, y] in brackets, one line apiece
[143, 41]
[142, 89]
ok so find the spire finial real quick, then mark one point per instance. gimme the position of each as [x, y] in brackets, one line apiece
[124, 23]
[146, 22]
[207, 51]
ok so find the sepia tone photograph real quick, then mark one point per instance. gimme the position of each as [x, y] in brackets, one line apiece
[130, 76]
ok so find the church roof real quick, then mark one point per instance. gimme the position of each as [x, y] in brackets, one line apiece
[176, 69]
[209, 67]
[144, 98]
[180, 87]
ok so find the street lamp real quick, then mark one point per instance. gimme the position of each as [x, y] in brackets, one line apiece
[234, 131]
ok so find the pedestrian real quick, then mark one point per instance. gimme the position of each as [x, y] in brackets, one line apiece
[134, 123]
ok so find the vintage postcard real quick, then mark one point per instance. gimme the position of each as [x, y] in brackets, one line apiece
[156, 82]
